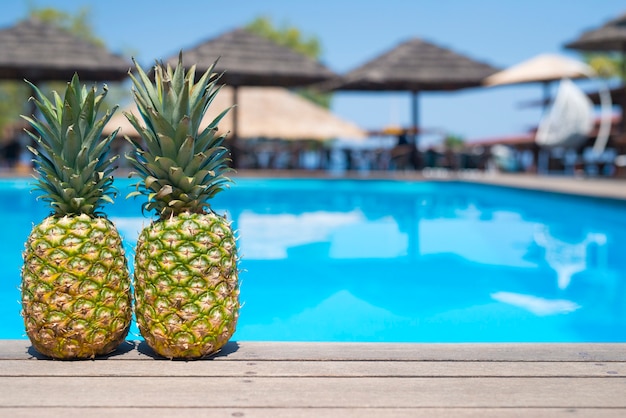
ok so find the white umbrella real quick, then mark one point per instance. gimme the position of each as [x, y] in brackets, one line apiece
[543, 68]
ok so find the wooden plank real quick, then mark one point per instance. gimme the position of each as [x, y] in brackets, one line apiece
[322, 380]
[178, 412]
[254, 392]
[427, 352]
[23, 368]
[309, 412]
[247, 351]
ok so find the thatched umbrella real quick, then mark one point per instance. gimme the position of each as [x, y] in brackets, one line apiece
[250, 60]
[38, 51]
[415, 66]
[266, 112]
[609, 37]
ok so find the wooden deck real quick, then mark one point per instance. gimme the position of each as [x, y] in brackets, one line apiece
[250, 379]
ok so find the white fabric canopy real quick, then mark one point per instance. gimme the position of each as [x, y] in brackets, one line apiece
[569, 120]
[544, 67]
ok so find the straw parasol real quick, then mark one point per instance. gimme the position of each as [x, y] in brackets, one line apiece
[609, 37]
[415, 65]
[38, 51]
[250, 60]
[266, 112]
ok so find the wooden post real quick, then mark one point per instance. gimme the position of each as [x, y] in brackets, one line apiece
[234, 139]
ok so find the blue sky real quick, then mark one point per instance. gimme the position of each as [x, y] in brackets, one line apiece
[501, 33]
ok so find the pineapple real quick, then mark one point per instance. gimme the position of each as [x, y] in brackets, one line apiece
[76, 296]
[186, 276]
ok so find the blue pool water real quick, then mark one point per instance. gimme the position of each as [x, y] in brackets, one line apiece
[343, 260]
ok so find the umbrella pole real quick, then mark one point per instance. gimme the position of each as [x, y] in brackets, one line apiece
[623, 76]
[415, 116]
[540, 156]
[415, 122]
[546, 96]
[234, 146]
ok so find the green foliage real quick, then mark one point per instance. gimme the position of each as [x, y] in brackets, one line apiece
[75, 173]
[78, 24]
[319, 98]
[288, 36]
[14, 93]
[607, 65]
[12, 103]
[453, 142]
[292, 37]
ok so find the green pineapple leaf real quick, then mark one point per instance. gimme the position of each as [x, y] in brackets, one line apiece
[181, 165]
[71, 156]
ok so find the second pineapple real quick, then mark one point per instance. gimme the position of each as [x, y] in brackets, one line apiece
[186, 276]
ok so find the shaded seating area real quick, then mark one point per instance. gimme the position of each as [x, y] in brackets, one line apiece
[580, 160]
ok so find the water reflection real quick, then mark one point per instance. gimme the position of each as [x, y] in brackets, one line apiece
[504, 240]
[501, 239]
[570, 257]
[332, 235]
[427, 226]
[449, 263]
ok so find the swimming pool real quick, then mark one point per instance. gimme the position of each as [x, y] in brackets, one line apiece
[395, 261]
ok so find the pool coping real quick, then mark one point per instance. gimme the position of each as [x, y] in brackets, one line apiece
[603, 187]
[606, 187]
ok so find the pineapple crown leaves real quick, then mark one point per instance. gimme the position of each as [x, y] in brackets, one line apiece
[181, 164]
[75, 172]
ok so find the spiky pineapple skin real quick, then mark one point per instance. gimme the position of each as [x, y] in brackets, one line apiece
[76, 296]
[186, 285]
